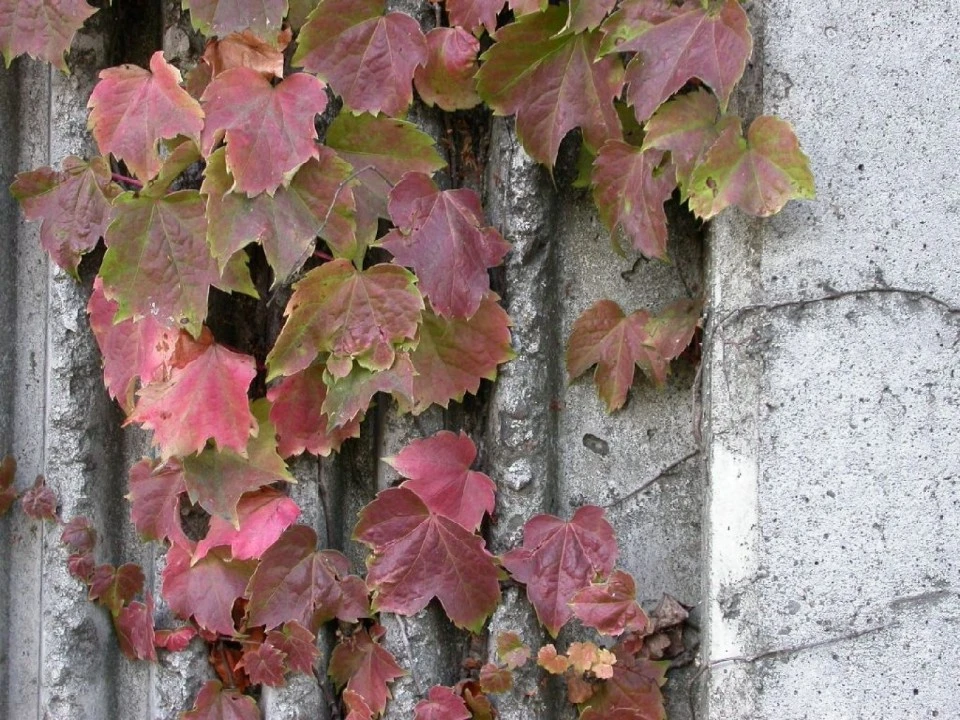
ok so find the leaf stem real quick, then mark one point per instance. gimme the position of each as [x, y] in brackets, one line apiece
[128, 180]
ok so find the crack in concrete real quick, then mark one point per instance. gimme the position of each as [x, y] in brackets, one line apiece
[666, 472]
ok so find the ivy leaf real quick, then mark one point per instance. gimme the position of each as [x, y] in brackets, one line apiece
[611, 606]
[215, 703]
[132, 109]
[419, 555]
[204, 399]
[551, 661]
[635, 17]
[269, 129]
[356, 706]
[222, 17]
[175, 640]
[368, 58]
[263, 664]
[294, 582]
[351, 314]
[296, 410]
[262, 515]
[43, 29]
[440, 235]
[437, 469]
[299, 11]
[759, 173]
[673, 329]
[298, 644]
[73, 206]
[635, 686]
[81, 566]
[113, 587]
[207, 589]
[709, 43]
[442, 703]
[588, 14]
[361, 664]
[630, 188]
[495, 679]
[8, 491]
[155, 496]
[471, 15]
[553, 82]
[512, 650]
[135, 633]
[39, 502]
[559, 558]
[446, 79]
[79, 535]
[349, 397]
[245, 49]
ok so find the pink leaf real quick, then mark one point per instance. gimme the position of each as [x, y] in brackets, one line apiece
[364, 667]
[43, 29]
[155, 495]
[611, 606]
[446, 80]
[442, 703]
[135, 633]
[263, 516]
[215, 703]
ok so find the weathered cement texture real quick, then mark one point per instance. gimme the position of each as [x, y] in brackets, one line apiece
[832, 398]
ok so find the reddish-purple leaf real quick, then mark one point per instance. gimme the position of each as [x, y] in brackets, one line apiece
[135, 633]
[635, 686]
[759, 173]
[634, 17]
[175, 640]
[419, 555]
[222, 17]
[708, 43]
[298, 644]
[366, 57]
[43, 29]
[351, 314]
[441, 235]
[361, 664]
[296, 410]
[553, 82]
[263, 664]
[79, 535]
[446, 80]
[588, 14]
[673, 329]
[81, 566]
[73, 206]
[442, 703]
[494, 679]
[559, 558]
[611, 606]
[39, 502]
[263, 516]
[473, 14]
[356, 706]
[349, 397]
[155, 494]
[269, 129]
[206, 590]
[114, 587]
[438, 471]
[216, 703]
[686, 127]
[630, 187]
[354, 600]
[132, 109]
[8, 492]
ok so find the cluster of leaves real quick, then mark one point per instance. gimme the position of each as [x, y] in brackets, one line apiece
[406, 311]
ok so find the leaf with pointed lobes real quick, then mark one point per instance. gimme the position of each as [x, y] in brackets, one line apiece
[472, 15]
[759, 173]
[553, 82]
[419, 555]
[634, 687]
[495, 679]
[132, 110]
[245, 49]
[442, 703]
[207, 589]
[295, 582]
[348, 398]
[446, 80]
[635, 17]
[454, 355]
[559, 558]
[155, 495]
[81, 566]
[440, 234]
[354, 315]
[206, 399]
[512, 650]
[264, 664]
[215, 703]
[287, 223]
[366, 56]
[437, 469]
[711, 44]
[298, 644]
[175, 640]
[630, 186]
[588, 14]
[113, 587]
[72, 205]
[40, 502]
[8, 492]
[135, 632]
[79, 535]
[222, 17]
[41, 29]
[356, 706]
[611, 607]
[269, 129]
[361, 664]
[263, 516]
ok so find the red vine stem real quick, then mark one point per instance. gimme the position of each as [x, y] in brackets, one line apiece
[128, 180]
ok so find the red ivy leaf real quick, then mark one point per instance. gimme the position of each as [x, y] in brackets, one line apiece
[262, 516]
[473, 14]
[114, 587]
[298, 644]
[135, 633]
[559, 558]
[215, 703]
[43, 29]
[206, 590]
[175, 640]
[296, 410]
[81, 566]
[245, 49]
[438, 471]
[440, 234]
[222, 17]
[263, 664]
[269, 129]
[365, 667]
[368, 58]
[588, 14]
[155, 492]
[356, 705]
[132, 109]
[79, 535]
[39, 502]
[8, 493]
[419, 555]
[348, 398]
[553, 82]
[611, 606]
[352, 314]
[635, 686]
[495, 679]
[442, 703]
[630, 188]
[446, 80]
[73, 206]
